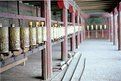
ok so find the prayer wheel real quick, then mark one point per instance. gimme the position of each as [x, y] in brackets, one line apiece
[43, 31]
[14, 33]
[39, 34]
[87, 27]
[44, 34]
[100, 27]
[4, 43]
[24, 36]
[52, 31]
[104, 27]
[32, 36]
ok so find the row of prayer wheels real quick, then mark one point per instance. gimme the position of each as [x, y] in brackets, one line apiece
[71, 29]
[96, 27]
[57, 32]
[16, 38]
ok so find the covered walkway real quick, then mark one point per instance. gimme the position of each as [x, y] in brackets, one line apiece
[103, 61]
[60, 40]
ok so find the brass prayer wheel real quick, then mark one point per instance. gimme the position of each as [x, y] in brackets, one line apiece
[44, 34]
[14, 33]
[24, 36]
[39, 34]
[4, 43]
[32, 36]
[30, 24]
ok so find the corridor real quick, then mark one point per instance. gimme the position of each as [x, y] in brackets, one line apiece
[103, 61]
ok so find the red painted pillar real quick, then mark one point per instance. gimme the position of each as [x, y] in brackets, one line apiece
[78, 36]
[84, 36]
[109, 28]
[119, 26]
[47, 55]
[112, 35]
[64, 54]
[107, 32]
[81, 33]
[73, 35]
[115, 27]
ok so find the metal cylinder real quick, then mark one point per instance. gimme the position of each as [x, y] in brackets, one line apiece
[44, 34]
[24, 36]
[4, 43]
[14, 33]
[39, 35]
[32, 36]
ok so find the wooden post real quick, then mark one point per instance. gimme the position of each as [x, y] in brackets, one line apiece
[119, 26]
[71, 46]
[114, 42]
[112, 28]
[78, 36]
[64, 47]
[96, 31]
[47, 52]
[44, 64]
[82, 30]
[73, 35]
[116, 30]
[115, 26]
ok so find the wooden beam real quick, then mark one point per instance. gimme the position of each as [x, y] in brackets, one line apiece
[93, 11]
[94, 7]
[93, 4]
[2, 69]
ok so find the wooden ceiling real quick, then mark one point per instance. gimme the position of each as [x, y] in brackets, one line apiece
[92, 6]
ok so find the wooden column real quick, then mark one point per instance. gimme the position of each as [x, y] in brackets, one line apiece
[47, 53]
[78, 36]
[84, 30]
[73, 35]
[115, 29]
[96, 31]
[64, 52]
[110, 29]
[114, 41]
[81, 35]
[119, 26]
[112, 35]
[107, 32]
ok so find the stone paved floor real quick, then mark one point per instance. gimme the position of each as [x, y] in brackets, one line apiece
[32, 70]
[103, 61]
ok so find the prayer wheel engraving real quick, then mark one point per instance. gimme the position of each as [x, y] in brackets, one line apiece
[4, 43]
[24, 32]
[43, 34]
[14, 33]
[32, 36]
[39, 34]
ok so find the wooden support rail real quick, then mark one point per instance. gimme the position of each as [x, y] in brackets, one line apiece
[15, 16]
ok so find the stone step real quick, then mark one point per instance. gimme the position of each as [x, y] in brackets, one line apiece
[71, 68]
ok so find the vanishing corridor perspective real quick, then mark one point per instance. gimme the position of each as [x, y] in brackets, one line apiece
[60, 40]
